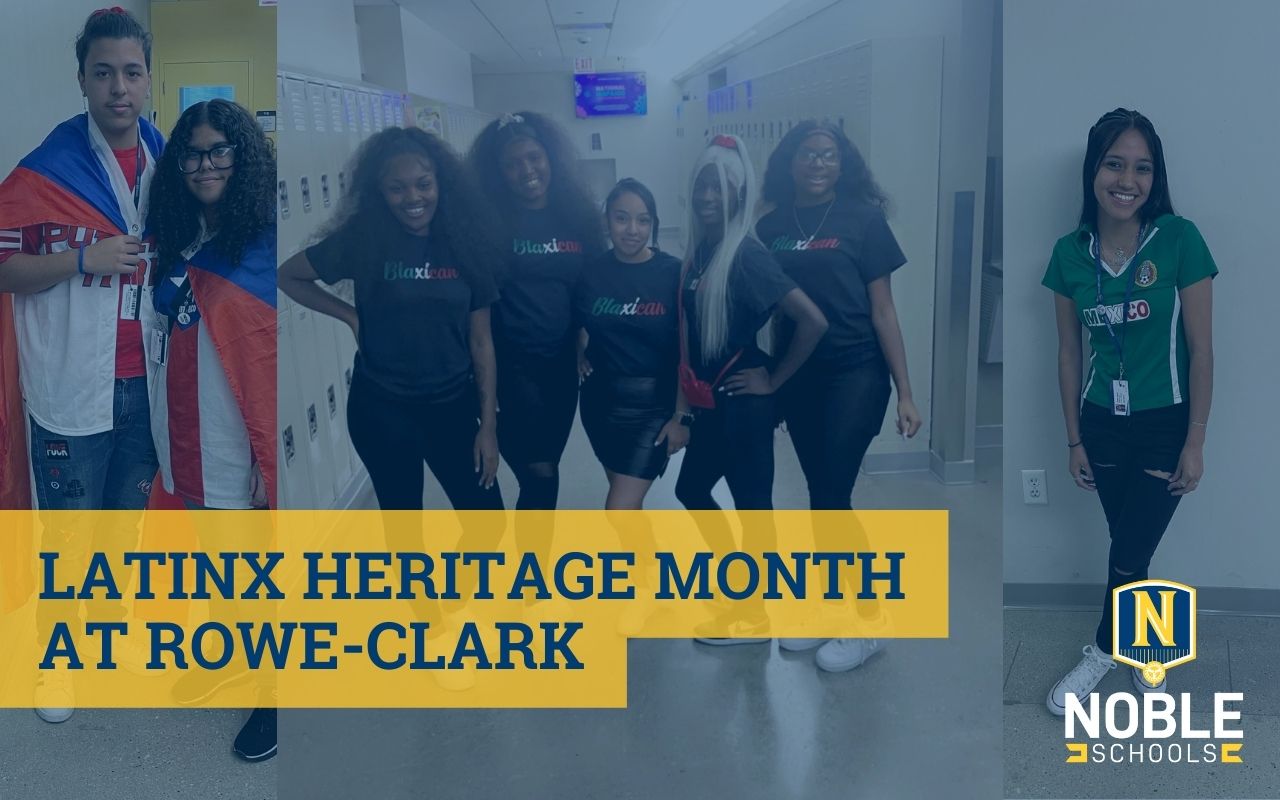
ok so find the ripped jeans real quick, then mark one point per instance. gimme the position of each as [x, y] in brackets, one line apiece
[1132, 458]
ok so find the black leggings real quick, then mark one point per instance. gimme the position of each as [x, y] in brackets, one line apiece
[733, 441]
[394, 436]
[1138, 505]
[832, 417]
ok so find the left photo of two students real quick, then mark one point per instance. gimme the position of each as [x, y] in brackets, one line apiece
[137, 276]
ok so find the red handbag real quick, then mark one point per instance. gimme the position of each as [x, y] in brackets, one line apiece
[698, 393]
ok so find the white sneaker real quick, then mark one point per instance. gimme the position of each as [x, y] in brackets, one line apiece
[1144, 687]
[55, 696]
[842, 655]
[131, 655]
[741, 631]
[800, 645]
[1081, 680]
[455, 680]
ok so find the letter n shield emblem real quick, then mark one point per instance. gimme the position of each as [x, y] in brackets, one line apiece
[1153, 626]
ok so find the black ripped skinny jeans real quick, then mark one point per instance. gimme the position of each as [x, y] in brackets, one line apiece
[1138, 505]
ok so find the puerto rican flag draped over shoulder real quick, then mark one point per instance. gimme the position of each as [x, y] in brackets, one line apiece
[237, 310]
[61, 182]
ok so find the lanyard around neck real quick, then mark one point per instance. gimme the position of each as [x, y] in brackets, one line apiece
[137, 171]
[1117, 339]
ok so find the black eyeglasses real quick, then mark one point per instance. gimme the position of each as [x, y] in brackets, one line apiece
[809, 158]
[221, 157]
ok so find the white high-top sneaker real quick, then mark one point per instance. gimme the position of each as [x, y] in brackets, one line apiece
[1081, 680]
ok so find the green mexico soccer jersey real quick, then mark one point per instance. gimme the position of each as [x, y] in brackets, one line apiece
[1156, 362]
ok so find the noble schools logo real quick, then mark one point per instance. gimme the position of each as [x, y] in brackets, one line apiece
[1153, 629]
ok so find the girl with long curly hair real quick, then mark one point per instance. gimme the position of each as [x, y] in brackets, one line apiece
[828, 231]
[415, 237]
[212, 346]
[550, 226]
[827, 228]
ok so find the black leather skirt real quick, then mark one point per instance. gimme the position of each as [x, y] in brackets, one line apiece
[623, 417]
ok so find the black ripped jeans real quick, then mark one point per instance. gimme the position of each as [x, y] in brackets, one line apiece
[1138, 505]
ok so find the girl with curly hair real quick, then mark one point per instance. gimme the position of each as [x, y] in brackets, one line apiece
[212, 345]
[415, 237]
[551, 225]
[828, 231]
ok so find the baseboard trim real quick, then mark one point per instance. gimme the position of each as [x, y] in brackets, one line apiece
[952, 473]
[1086, 596]
[988, 436]
[885, 463]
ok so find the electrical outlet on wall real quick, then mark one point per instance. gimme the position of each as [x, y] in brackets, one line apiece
[1034, 491]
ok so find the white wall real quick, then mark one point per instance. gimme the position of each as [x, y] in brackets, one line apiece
[319, 37]
[1066, 64]
[38, 60]
[641, 146]
[434, 66]
[381, 46]
[400, 51]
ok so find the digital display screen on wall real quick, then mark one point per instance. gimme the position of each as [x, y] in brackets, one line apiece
[610, 94]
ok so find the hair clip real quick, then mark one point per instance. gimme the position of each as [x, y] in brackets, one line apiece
[726, 142]
[508, 119]
[112, 10]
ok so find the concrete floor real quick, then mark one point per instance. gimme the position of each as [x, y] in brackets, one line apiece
[1234, 654]
[129, 755]
[918, 720]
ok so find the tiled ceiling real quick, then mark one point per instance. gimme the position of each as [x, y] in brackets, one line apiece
[514, 35]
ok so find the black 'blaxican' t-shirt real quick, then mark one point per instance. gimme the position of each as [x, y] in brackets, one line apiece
[534, 314]
[849, 250]
[414, 304]
[756, 284]
[629, 312]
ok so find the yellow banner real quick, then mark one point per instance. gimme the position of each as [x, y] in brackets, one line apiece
[434, 609]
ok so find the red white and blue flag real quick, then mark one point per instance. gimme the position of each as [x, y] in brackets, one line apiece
[63, 182]
[216, 412]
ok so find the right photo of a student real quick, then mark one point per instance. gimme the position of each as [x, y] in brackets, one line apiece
[1141, 590]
